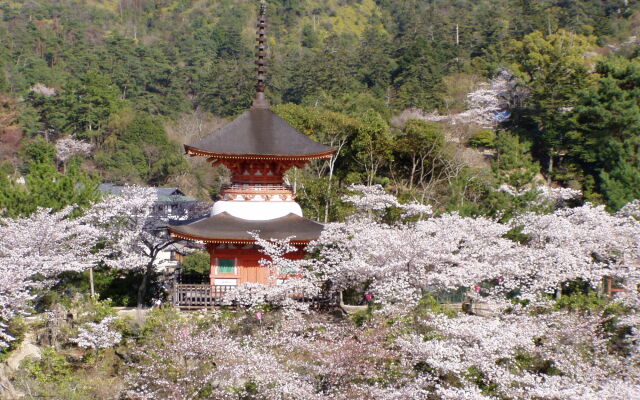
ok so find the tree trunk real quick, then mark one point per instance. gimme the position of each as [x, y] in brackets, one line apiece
[414, 166]
[142, 290]
[329, 188]
[91, 285]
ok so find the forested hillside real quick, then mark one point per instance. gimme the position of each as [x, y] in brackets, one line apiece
[439, 101]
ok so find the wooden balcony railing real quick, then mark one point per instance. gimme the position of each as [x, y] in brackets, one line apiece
[195, 296]
[203, 296]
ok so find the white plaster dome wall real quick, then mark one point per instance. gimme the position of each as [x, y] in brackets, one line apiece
[256, 210]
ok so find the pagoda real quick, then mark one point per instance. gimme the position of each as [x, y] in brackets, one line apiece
[258, 148]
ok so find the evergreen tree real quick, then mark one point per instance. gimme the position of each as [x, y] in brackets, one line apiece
[606, 125]
[45, 186]
[554, 69]
[418, 80]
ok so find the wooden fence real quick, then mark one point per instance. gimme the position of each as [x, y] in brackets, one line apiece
[194, 296]
[204, 296]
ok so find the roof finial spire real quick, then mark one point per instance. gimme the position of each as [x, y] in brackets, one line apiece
[260, 101]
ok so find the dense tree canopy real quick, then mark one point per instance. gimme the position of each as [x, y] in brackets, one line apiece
[115, 76]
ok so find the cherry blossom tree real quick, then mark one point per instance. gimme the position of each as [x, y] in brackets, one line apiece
[528, 349]
[532, 350]
[306, 277]
[556, 196]
[43, 90]
[193, 363]
[488, 105]
[295, 358]
[401, 261]
[584, 243]
[289, 279]
[69, 147]
[552, 355]
[33, 251]
[521, 356]
[133, 233]
[631, 209]
[97, 335]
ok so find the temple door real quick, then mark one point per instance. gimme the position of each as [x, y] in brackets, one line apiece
[254, 273]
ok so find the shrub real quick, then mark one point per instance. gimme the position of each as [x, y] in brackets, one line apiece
[429, 304]
[485, 138]
[197, 262]
[51, 367]
[16, 328]
[581, 302]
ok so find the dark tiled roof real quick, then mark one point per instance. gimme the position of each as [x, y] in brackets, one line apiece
[261, 133]
[226, 228]
[173, 195]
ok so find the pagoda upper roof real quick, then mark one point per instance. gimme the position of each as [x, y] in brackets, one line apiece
[225, 228]
[259, 134]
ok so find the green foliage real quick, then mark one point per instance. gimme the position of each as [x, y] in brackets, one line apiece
[485, 138]
[325, 73]
[3, 78]
[430, 305]
[82, 107]
[420, 135]
[45, 186]
[197, 262]
[310, 37]
[137, 149]
[516, 235]
[419, 153]
[581, 302]
[622, 184]
[487, 388]
[92, 310]
[554, 69]
[117, 286]
[514, 164]
[354, 295]
[60, 375]
[229, 88]
[372, 145]
[51, 367]
[121, 72]
[158, 318]
[320, 196]
[321, 125]
[39, 151]
[606, 122]
[359, 318]
[419, 79]
[534, 364]
[17, 328]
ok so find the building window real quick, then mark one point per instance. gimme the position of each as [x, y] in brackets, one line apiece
[226, 266]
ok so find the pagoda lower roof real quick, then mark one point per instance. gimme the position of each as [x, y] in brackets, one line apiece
[259, 134]
[225, 228]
